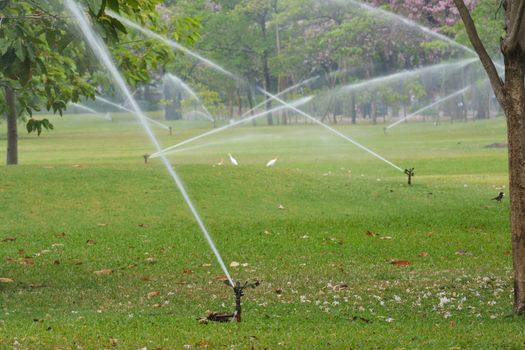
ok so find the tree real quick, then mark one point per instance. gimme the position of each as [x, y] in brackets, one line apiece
[510, 93]
[43, 63]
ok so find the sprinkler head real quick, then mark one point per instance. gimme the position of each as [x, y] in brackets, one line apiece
[238, 290]
[146, 158]
[171, 130]
[410, 173]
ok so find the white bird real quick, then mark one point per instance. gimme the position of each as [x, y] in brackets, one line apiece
[271, 163]
[233, 160]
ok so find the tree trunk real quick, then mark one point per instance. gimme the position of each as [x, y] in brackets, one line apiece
[12, 133]
[266, 73]
[352, 108]
[515, 111]
[172, 109]
[373, 109]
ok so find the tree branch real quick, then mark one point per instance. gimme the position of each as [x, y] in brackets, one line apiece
[486, 61]
[511, 41]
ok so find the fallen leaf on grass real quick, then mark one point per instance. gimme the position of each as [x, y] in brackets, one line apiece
[91, 241]
[280, 207]
[399, 262]
[156, 306]
[143, 225]
[362, 319]
[9, 239]
[151, 260]
[385, 238]
[221, 278]
[463, 252]
[370, 234]
[101, 225]
[339, 287]
[204, 342]
[146, 278]
[5, 280]
[186, 271]
[430, 234]
[60, 234]
[76, 165]
[103, 272]
[423, 254]
[27, 262]
[205, 265]
[234, 264]
[56, 262]
[152, 294]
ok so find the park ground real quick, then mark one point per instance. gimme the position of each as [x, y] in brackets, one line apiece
[104, 254]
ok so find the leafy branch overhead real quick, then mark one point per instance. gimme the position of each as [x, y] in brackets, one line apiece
[35, 125]
[46, 63]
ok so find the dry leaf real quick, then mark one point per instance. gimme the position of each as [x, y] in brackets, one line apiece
[205, 265]
[91, 241]
[9, 239]
[186, 271]
[101, 225]
[280, 207]
[5, 280]
[221, 278]
[146, 278]
[430, 234]
[204, 342]
[399, 262]
[152, 294]
[151, 260]
[103, 272]
[60, 234]
[27, 262]
[56, 262]
[234, 264]
[463, 252]
[423, 254]
[77, 166]
[143, 225]
[156, 305]
[370, 234]
[385, 238]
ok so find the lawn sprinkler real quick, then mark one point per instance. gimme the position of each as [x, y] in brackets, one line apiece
[409, 172]
[238, 290]
[171, 130]
[146, 158]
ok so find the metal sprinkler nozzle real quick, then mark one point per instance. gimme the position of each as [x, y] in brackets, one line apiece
[238, 290]
[146, 158]
[409, 172]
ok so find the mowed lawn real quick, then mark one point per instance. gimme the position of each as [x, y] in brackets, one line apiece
[104, 253]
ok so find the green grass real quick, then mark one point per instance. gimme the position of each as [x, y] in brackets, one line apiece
[83, 200]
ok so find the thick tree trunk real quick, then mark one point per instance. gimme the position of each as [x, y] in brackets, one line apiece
[515, 111]
[12, 132]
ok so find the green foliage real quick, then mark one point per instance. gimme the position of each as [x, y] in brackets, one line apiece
[37, 125]
[45, 60]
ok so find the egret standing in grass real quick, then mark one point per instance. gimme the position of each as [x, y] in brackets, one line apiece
[233, 160]
[271, 163]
